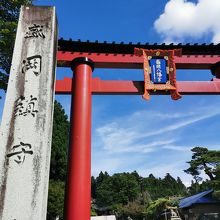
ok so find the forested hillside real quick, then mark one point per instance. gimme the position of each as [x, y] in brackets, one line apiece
[129, 194]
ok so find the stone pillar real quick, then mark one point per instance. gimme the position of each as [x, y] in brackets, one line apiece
[26, 129]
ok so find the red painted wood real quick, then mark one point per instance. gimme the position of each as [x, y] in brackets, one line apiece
[132, 61]
[117, 87]
[78, 189]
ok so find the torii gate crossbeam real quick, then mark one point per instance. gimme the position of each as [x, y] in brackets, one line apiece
[128, 87]
[106, 87]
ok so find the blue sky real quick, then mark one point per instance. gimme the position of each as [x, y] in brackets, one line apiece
[130, 133]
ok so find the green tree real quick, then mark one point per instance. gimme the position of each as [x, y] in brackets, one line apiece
[129, 194]
[172, 187]
[93, 187]
[153, 186]
[101, 177]
[156, 207]
[134, 209]
[125, 187]
[104, 194]
[120, 188]
[168, 186]
[58, 164]
[204, 160]
[181, 188]
[55, 200]
[9, 13]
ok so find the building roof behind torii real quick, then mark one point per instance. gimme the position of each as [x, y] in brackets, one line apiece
[203, 197]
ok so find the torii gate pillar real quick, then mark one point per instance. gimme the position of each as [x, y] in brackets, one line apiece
[78, 188]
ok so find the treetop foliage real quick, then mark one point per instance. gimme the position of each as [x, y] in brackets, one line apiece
[129, 194]
[204, 160]
[207, 161]
[9, 13]
[126, 188]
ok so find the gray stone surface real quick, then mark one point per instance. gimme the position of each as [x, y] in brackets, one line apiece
[26, 129]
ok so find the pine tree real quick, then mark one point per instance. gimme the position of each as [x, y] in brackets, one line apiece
[204, 160]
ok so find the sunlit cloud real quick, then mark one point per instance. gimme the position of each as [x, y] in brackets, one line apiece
[125, 135]
[182, 124]
[177, 148]
[182, 18]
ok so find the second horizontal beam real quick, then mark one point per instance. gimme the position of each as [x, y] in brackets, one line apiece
[119, 87]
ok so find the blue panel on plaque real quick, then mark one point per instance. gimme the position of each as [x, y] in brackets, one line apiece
[158, 70]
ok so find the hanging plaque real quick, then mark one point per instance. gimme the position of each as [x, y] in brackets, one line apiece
[159, 71]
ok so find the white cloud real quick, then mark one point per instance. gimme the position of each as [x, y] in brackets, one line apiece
[125, 135]
[117, 139]
[182, 123]
[182, 18]
[101, 161]
[177, 148]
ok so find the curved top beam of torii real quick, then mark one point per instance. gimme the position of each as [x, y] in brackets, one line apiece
[121, 55]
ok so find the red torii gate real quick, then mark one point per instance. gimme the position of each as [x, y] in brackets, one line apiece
[83, 57]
